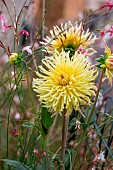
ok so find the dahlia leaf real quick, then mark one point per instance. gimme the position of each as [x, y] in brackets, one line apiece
[47, 121]
[16, 164]
[84, 126]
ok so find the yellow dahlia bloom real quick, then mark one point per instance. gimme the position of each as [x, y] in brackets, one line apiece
[108, 63]
[64, 83]
[69, 38]
[13, 58]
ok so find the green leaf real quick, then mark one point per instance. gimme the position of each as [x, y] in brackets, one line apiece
[84, 126]
[87, 112]
[28, 125]
[73, 122]
[47, 121]
[105, 55]
[16, 164]
[101, 60]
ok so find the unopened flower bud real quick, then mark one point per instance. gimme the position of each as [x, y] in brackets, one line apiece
[44, 153]
[15, 133]
[13, 58]
[17, 116]
[35, 151]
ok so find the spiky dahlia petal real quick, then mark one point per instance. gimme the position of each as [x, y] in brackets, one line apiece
[65, 83]
[68, 36]
[109, 75]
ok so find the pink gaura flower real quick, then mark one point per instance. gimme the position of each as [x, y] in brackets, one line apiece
[99, 157]
[110, 31]
[81, 50]
[28, 49]
[24, 32]
[35, 151]
[17, 116]
[44, 154]
[102, 33]
[3, 22]
[15, 132]
[108, 4]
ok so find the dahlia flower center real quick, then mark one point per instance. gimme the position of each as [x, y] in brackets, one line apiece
[64, 79]
[72, 48]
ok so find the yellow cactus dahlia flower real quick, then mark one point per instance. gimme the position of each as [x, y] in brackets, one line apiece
[108, 63]
[69, 38]
[64, 83]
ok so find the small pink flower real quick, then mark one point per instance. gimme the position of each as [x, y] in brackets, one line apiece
[44, 154]
[3, 22]
[27, 115]
[81, 50]
[17, 116]
[99, 157]
[28, 49]
[24, 32]
[77, 125]
[110, 31]
[15, 132]
[108, 4]
[102, 33]
[35, 151]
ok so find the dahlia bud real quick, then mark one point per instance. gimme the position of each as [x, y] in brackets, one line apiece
[13, 58]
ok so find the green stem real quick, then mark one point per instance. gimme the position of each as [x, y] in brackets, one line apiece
[29, 89]
[43, 21]
[47, 157]
[64, 136]
[8, 121]
[96, 98]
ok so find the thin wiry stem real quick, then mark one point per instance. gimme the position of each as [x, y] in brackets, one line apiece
[64, 136]
[8, 121]
[43, 22]
[96, 98]
[47, 157]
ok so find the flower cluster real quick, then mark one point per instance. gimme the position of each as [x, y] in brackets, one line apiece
[66, 79]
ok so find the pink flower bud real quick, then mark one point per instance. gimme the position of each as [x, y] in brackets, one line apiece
[24, 32]
[28, 49]
[44, 154]
[102, 33]
[15, 132]
[17, 116]
[35, 151]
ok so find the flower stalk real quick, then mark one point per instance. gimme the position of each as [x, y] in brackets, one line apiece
[64, 135]
[96, 98]
[47, 157]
